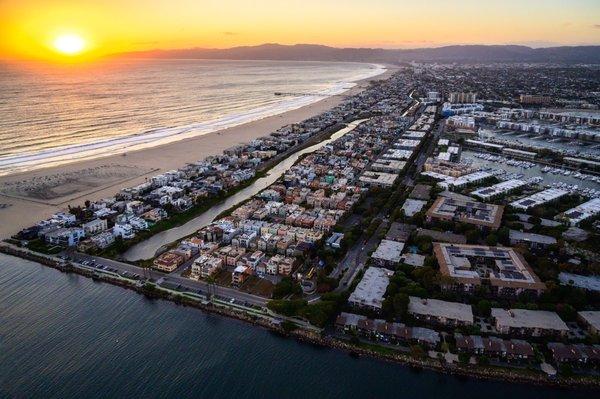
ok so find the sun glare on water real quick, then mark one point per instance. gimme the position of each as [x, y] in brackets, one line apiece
[69, 44]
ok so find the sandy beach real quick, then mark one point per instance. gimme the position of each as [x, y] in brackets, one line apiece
[28, 197]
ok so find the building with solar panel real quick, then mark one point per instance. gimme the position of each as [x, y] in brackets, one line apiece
[484, 216]
[501, 269]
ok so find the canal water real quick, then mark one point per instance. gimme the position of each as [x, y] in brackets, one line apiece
[147, 249]
[65, 336]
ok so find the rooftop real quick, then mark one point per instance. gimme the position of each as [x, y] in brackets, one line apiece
[441, 309]
[477, 213]
[540, 198]
[590, 283]
[532, 238]
[592, 317]
[370, 290]
[470, 264]
[389, 251]
[378, 178]
[413, 206]
[581, 212]
[523, 318]
[499, 189]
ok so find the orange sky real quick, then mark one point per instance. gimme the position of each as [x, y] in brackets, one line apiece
[28, 27]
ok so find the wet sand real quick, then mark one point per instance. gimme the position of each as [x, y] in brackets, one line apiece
[25, 210]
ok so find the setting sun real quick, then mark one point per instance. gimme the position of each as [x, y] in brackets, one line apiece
[69, 44]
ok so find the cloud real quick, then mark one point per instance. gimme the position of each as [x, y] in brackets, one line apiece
[597, 26]
[230, 33]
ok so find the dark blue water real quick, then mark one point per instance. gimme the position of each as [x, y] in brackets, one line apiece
[65, 336]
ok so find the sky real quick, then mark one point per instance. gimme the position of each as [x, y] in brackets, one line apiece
[30, 28]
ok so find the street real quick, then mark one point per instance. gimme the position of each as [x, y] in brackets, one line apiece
[174, 278]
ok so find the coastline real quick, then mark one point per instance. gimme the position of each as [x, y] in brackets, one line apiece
[22, 212]
[305, 335]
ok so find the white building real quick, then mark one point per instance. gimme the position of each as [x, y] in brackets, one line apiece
[581, 212]
[369, 292]
[94, 227]
[388, 252]
[540, 198]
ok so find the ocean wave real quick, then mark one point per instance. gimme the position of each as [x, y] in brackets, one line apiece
[69, 153]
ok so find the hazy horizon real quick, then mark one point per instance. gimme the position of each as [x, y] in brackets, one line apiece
[30, 28]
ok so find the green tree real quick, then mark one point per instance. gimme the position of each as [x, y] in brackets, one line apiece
[484, 308]
[491, 240]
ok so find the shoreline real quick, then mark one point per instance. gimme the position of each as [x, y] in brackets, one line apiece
[24, 212]
[304, 335]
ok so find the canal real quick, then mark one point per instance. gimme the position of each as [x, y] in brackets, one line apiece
[147, 249]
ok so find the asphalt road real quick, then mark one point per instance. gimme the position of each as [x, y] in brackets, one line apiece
[356, 258]
[176, 279]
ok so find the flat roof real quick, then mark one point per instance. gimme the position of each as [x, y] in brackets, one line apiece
[414, 134]
[412, 206]
[389, 251]
[371, 288]
[444, 236]
[382, 178]
[539, 198]
[467, 211]
[531, 237]
[407, 143]
[581, 212]
[523, 318]
[592, 317]
[449, 181]
[500, 188]
[421, 191]
[442, 309]
[399, 231]
[397, 154]
[390, 165]
[470, 264]
[590, 283]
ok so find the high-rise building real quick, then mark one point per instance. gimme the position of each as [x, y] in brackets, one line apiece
[462, 98]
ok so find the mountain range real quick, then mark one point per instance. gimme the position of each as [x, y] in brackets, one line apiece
[313, 52]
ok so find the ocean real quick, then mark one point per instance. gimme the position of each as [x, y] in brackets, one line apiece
[66, 336]
[51, 115]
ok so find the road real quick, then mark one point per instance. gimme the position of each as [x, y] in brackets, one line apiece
[419, 162]
[174, 278]
[356, 258]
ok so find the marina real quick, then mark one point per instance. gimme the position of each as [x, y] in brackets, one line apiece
[584, 184]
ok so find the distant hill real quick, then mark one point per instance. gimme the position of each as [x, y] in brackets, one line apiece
[313, 52]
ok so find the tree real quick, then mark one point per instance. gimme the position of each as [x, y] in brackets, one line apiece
[464, 358]
[472, 236]
[504, 235]
[484, 308]
[566, 370]
[483, 360]
[286, 287]
[566, 312]
[400, 302]
[417, 351]
[491, 240]
[535, 220]
[286, 308]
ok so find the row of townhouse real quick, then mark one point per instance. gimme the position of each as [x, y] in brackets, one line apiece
[394, 333]
[495, 348]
